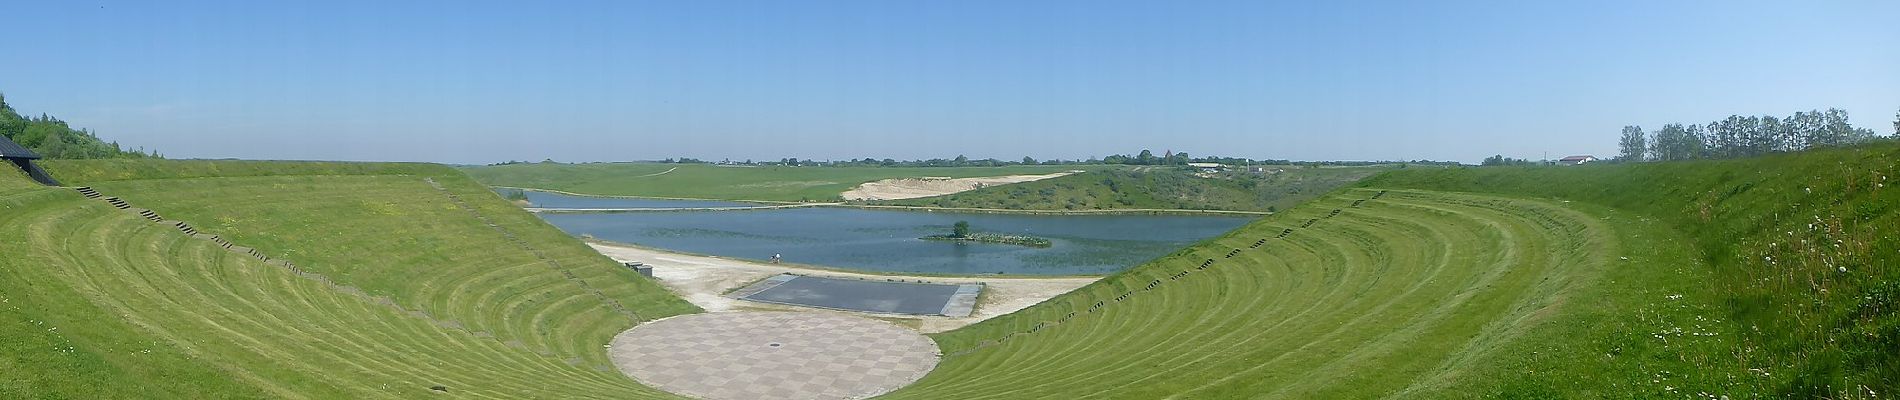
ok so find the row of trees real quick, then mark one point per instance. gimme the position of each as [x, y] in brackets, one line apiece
[52, 138]
[1502, 160]
[1739, 136]
[1145, 157]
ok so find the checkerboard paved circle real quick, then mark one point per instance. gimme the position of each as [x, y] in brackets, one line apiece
[778, 355]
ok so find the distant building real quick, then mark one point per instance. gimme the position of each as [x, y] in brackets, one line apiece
[1575, 160]
[640, 267]
[1207, 167]
[19, 156]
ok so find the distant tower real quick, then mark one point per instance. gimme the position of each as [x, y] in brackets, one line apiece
[1167, 154]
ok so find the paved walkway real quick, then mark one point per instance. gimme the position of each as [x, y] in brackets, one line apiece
[775, 355]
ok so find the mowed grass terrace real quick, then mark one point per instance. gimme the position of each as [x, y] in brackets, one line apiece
[1659, 280]
[1414, 293]
[399, 288]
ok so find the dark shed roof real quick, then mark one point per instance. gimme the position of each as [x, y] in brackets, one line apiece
[9, 149]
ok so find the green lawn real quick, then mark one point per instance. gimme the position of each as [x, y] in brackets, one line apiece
[702, 181]
[13, 179]
[1765, 277]
[1801, 249]
[1157, 188]
[1418, 293]
[403, 289]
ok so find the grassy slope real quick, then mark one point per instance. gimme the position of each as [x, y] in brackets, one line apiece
[424, 292]
[1417, 293]
[55, 342]
[1411, 294]
[1802, 250]
[715, 182]
[13, 179]
[79, 172]
[1156, 188]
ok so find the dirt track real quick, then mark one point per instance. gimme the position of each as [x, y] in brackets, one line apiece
[910, 188]
[703, 280]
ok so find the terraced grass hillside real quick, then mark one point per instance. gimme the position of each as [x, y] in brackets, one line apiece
[1369, 293]
[704, 181]
[1801, 251]
[368, 281]
[55, 342]
[1744, 278]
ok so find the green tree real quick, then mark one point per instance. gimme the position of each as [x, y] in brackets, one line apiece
[960, 230]
[1028, 161]
[1776, 134]
[1145, 158]
[1738, 136]
[52, 138]
[1676, 142]
[1896, 124]
[1835, 130]
[1502, 160]
[1635, 144]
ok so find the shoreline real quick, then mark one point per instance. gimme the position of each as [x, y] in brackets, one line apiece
[809, 269]
[704, 280]
[774, 205]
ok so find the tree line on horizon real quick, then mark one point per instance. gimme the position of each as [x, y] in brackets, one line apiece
[51, 138]
[1744, 136]
[1144, 157]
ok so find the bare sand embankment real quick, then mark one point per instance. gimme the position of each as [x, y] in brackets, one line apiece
[911, 188]
[703, 280]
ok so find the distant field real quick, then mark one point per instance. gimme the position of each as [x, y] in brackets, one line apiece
[1157, 188]
[701, 181]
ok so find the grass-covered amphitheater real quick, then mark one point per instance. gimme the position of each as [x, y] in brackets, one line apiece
[1762, 277]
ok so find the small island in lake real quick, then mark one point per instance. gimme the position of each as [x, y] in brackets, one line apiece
[961, 233]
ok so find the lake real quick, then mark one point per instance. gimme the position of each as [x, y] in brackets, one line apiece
[887, 240]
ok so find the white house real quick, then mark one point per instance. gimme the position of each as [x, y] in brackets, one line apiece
[1207, 166]
[1575, 160]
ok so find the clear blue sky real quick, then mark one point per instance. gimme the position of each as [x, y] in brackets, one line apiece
[620, 80]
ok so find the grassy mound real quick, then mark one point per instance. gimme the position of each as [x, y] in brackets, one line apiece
[1802, 250]
[1156, 188]
[1414, 292]
[78, 172]
[399, 286]
[13, 179]
[702, 181]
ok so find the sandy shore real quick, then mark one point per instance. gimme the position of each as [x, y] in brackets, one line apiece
[703, 280]
[911, 188]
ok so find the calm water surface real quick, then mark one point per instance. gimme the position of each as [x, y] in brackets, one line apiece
[887, 241]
